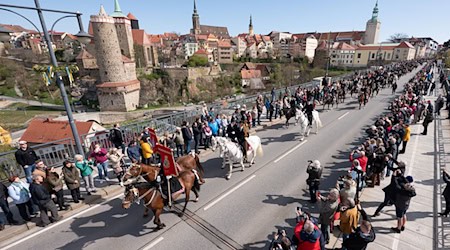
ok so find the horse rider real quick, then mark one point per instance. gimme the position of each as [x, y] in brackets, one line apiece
[242, 133]
[286, 104]
[308, 109]
[232, 128]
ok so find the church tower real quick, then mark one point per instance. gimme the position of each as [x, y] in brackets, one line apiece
[123, 29]
[195, 21]
[372, 27]
[250, 27]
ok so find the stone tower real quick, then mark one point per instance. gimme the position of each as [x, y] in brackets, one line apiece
[195, 21]
[118, 89]
[250, 27]
[123, 29]
[372, 27]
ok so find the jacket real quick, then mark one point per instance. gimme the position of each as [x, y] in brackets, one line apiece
[99, 157]
[19, 192]
[134, 153]
[26, 157]
[178, 138]
[114, 160]
[349, 220]
[117, 138]
[147, 150]
[196, 129]
[54, 182]
[327, 209]
[71, 177]
[305, 241]
[187, 134]
[407, 135]
[3, 192]
[358, 240]
[84, 167]
[39, 194]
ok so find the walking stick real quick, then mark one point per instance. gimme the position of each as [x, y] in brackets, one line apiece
[169, 193]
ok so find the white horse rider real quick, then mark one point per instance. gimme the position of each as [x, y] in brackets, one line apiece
[232, 153]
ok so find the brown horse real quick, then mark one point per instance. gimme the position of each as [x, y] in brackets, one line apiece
[187, 179]
[189, 162]
[150, 195]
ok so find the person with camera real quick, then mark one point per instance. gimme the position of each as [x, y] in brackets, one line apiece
[280, 241]
[362, 235]
[327, 208]
[307, 236]
[314, 171]
[86, 171]
[349, 217]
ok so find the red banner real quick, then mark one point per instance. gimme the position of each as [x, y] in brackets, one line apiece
[167, 160]
[153, 138]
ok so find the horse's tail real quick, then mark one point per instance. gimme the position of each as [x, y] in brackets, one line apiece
[199, 165]
[317, 118]
[196, 185]
[259, 150]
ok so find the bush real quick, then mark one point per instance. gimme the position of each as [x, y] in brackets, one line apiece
[197, 61]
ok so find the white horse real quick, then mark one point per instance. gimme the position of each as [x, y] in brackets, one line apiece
[315, 122]
[232, 153]
[303, 120]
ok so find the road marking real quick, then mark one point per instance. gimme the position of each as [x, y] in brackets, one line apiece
[413, 157]
[290, 151]
[395, 242]
[228, 193]
[58, 223]
[153, 243]
[342, 116]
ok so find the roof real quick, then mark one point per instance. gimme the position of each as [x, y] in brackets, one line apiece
[201, 52]
[344, 46]
[341, 35]
[84, 54]
[220, 32]
[131, 16]
[47, 130]
[73, 37]
[117, 84]
[140, 37]
[225, 43]
[16, 28]
[172, 36]
[406, 45]
[388, 46]
[249, 65]
[265, 71]
[250, 74]
[126, 59]
[154, 39]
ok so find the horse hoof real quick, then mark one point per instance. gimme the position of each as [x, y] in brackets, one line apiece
[242, 170]
[227, 177]
[196, 200]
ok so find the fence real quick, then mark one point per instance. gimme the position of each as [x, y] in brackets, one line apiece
[54, 153]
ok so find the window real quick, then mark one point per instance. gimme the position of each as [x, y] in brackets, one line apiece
[359, 55]
[373, 56]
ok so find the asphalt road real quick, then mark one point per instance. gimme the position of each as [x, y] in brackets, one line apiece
[236, 214]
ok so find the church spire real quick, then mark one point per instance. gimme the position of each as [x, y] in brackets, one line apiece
[195, 7]
[375, 12]
[117, 11]
[250, 27]
[195, 21]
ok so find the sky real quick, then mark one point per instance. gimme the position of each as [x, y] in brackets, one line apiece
[413, 17]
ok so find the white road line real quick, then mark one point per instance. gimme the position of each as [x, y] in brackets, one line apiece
[290, 151]
[395, 242]
[228, 193]
[342, 116]
[58, 223]
[153, 243]
[413, 157]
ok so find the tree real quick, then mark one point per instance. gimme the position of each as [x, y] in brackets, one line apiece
[447, 44]
[197, 61]
[398, 37]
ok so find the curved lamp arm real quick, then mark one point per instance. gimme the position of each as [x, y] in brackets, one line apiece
[59, 19]
[37, 29]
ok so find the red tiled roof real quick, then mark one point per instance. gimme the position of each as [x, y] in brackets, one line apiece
[131, 16]
[72, 36]
[345, 46]
[201, 37]
[376, 47]
[46, 130]
[84, 55]
[406, 45]
[139, 37]
[250, 74]
[249, 65]
[201, 52]
[154, 39]
[172, 36]
[225, 43]
[117, 84]
[17, 28]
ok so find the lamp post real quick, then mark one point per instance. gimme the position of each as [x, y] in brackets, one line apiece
[84, 37]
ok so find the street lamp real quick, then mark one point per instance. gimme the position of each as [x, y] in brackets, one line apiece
[83, 36]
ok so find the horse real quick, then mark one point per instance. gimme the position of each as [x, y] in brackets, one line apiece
[189, 162]
[303, 120]
[315, 121]
[189, 180]
[151, 196]
[362, 98]
[292, 112]
[328, 99]
[231, 152]
[341, 95]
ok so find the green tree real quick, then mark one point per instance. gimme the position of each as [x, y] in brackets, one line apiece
[197, 61]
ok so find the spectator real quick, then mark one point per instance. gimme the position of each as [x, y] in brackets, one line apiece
[259, 106]
[349, 189]
[179, 142]
[147, 150]
[204, 112]
[196, 131]
[362, 236]
[349, 217]
[167, 141]
[428, 118]
[314, 171]
[42, 198]
[307, 235]
[327, 207]
[72, 180]
[187, 136]
[40, 169]
[101, 160]
[224, 125]
[446, 193]
[115, 159]
[254, 114]
[19, 192]
[406, 138]
[4, 205]
[214, 127]
[280, 241]
[208, 134]
[26, 157]
[404, 192]
[55, 186]
[211, 113]
[116, 137]
[85, 168]
[134, 152]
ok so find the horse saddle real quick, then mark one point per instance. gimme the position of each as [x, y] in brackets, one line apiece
[175, 186]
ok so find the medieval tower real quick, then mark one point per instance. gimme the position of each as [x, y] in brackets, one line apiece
[372, 27]
[250, 27]
[195, 21]
[119, 88]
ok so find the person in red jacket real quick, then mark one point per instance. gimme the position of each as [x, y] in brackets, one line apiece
[361, 157]
[307, 236]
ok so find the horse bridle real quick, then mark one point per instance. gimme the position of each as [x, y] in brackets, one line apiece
[140, 173]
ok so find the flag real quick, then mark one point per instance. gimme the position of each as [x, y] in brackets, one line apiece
[167, 160]
[153, 137]
[69, 75]
[46, 79]
[50, 71]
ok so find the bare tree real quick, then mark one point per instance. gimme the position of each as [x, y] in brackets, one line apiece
[398, 37]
